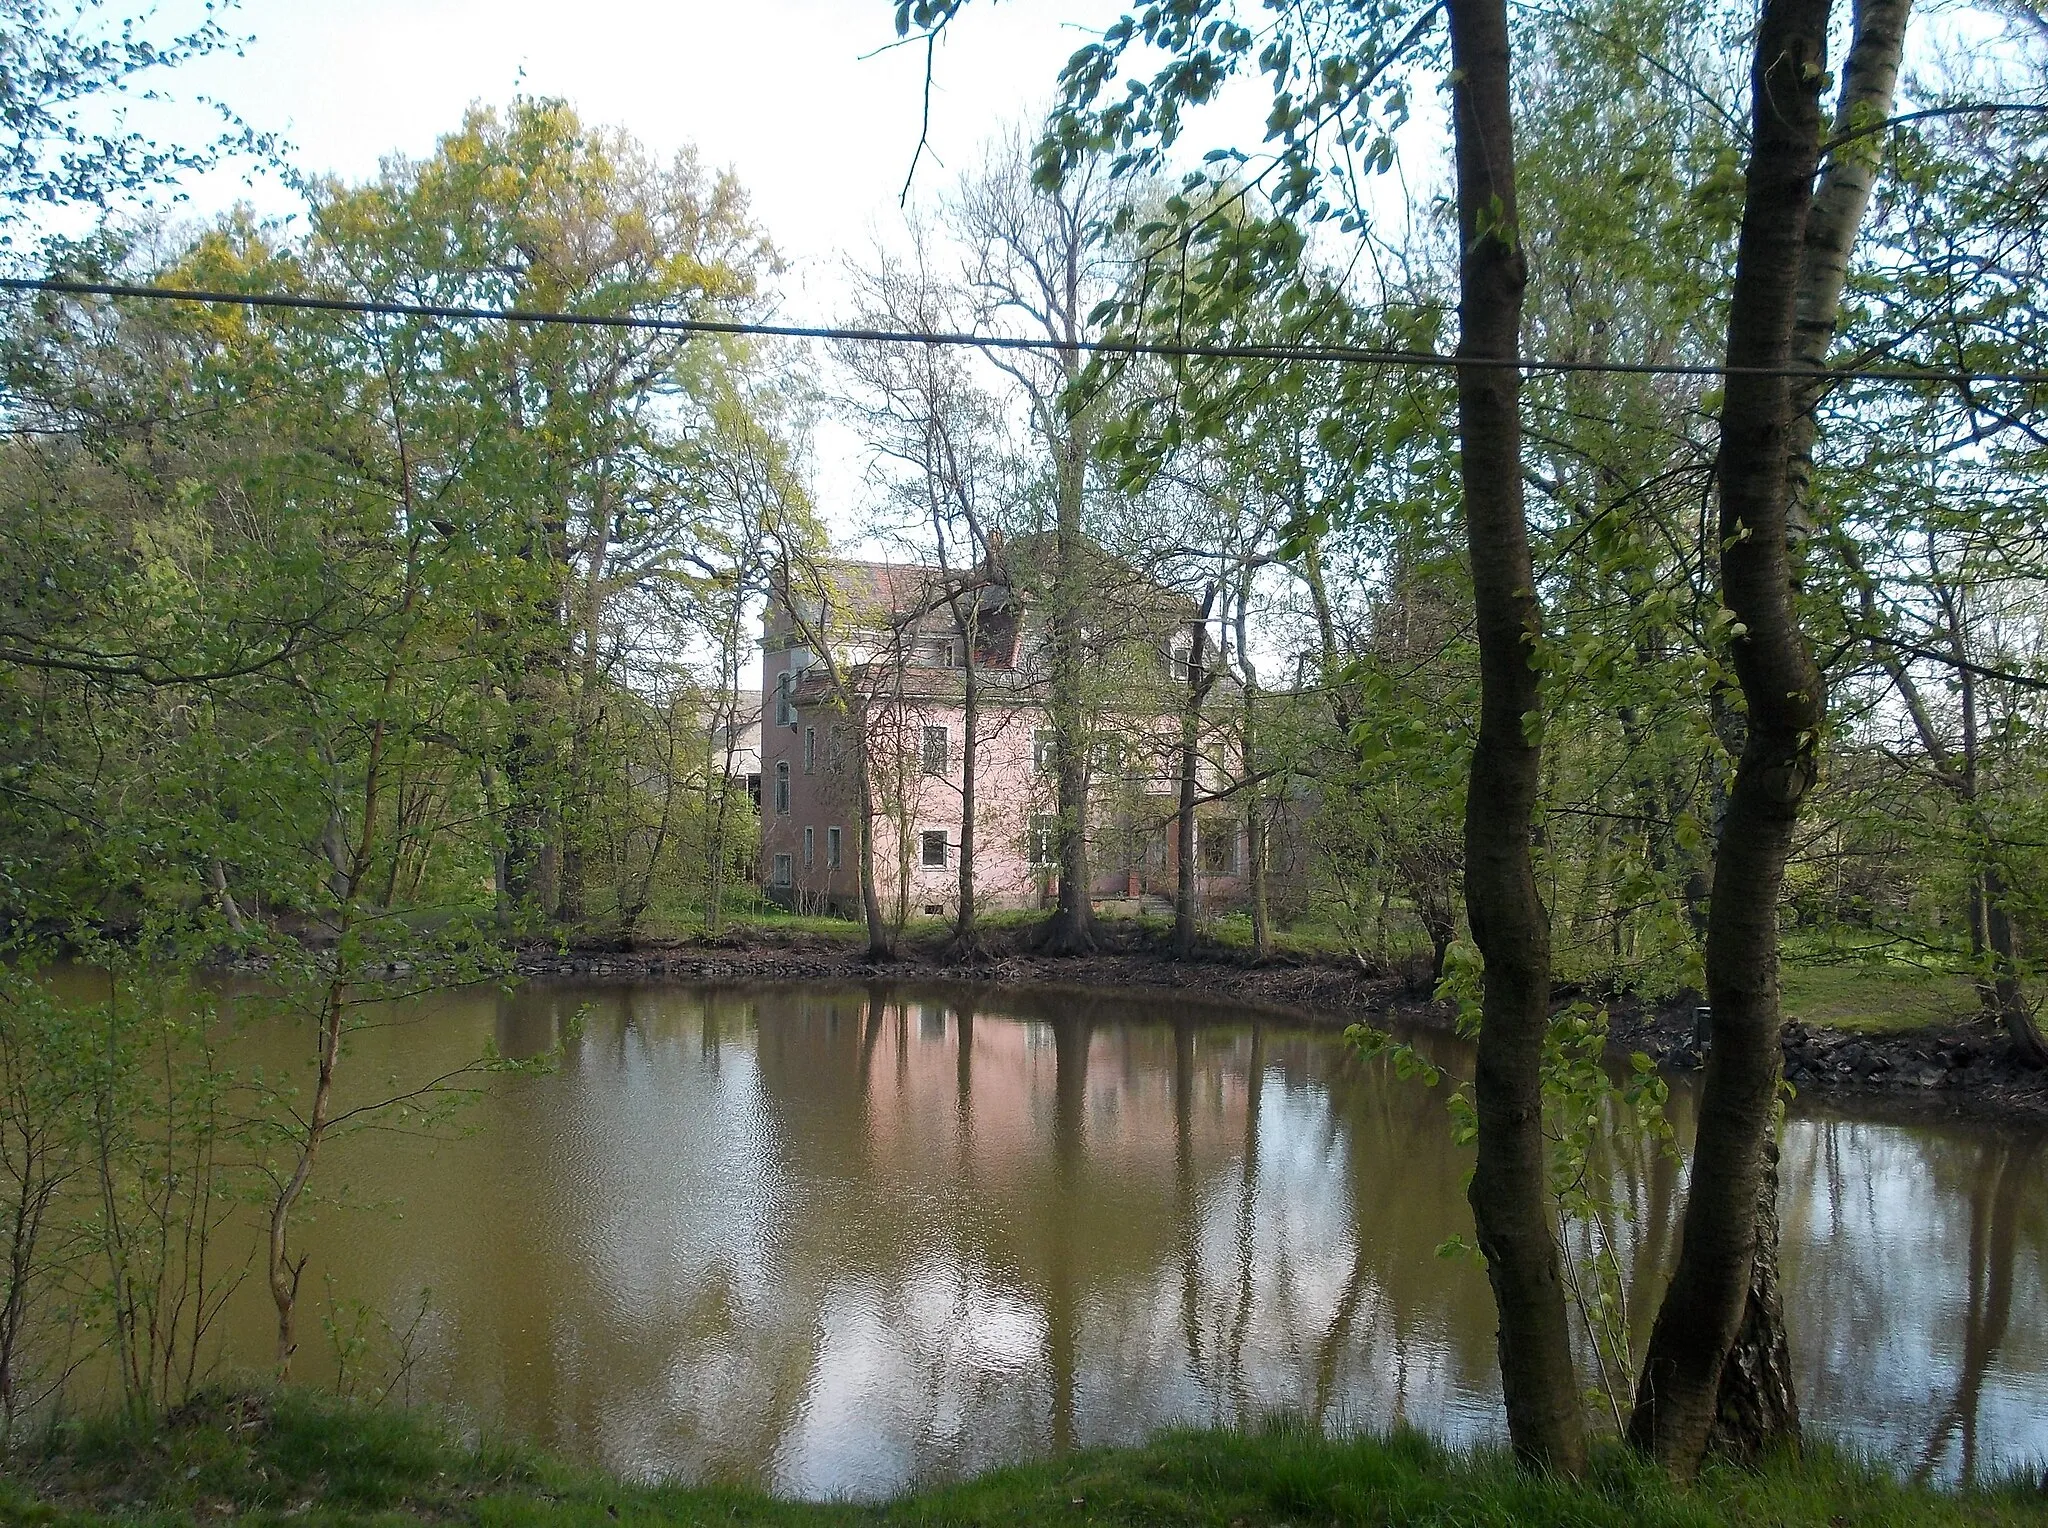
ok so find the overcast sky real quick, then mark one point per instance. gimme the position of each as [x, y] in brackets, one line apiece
[792, 94]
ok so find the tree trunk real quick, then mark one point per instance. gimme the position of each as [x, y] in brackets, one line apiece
[1510, 1190]
[1677, 1398]
[1254, 796]
[534, 694]
[217, 878]
[1255, 874]
[966, 935]
[1071, 929]
[881, 934]
[572, 898]
[1869, 80]
[1994, 964]
[2008, 998]
[1190, 784]
[1757, 1409]
[2014, 1011]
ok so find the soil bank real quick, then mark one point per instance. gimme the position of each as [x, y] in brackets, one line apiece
[1965, 1068]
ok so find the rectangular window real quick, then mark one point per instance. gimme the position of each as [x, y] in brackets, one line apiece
[1045, 751]
[831, 848]
[934, 845]
[1106, 759]
[1180, 659]
[935, 750]
[785, 710]
[810, 847]
[810, 749]
[782, 788]
[782, 870]
[1042, 845]
[1218, 845]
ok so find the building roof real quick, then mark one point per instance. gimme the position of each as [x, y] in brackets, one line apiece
[885, 593]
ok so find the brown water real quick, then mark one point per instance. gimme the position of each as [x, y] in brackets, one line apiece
[838, 1240]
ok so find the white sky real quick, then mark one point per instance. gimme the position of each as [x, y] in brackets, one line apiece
[779, 90]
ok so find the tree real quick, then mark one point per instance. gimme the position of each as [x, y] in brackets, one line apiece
[938, 438]
[1509, 922]
[1509, 1191]
[51, 159]
[1703, 1308]
[1036, 264]
[589, 431]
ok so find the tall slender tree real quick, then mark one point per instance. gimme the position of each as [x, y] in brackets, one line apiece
[1784, 705]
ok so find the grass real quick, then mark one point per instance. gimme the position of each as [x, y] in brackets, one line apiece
[1875, 996]
[264, 1459]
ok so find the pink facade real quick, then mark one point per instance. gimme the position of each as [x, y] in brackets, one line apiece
[875, 665]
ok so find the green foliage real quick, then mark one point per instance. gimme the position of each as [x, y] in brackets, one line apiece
[1599, 1128]
[120, 1169]
[59, 61]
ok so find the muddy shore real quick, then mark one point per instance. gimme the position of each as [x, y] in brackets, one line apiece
[1963, 1069]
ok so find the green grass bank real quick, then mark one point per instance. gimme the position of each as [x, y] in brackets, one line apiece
[298, 1459]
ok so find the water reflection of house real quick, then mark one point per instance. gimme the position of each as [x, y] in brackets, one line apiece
[769, 1235]
[871, 660]
[1159, 1214]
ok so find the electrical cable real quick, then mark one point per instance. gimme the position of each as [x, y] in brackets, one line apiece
[1335, 354]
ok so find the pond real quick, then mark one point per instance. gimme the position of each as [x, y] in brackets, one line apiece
[838, 1240]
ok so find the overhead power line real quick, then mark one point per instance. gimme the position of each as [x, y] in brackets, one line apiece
[1344, 355]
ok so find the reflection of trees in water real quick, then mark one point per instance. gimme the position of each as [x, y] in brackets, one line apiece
[1915, 1285]
[811, 1237]
[1187, 1238]
[1076, 1226]
[1070, 1038]
[1247, 1205]
[1996, 1200]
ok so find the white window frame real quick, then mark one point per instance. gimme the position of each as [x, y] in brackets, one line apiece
[831, 848]
[1042, 842]
[1045, 751]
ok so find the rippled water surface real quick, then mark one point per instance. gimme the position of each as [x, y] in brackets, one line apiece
[837, 1240]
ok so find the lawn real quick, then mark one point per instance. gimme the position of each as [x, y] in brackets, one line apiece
[1872, 994]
